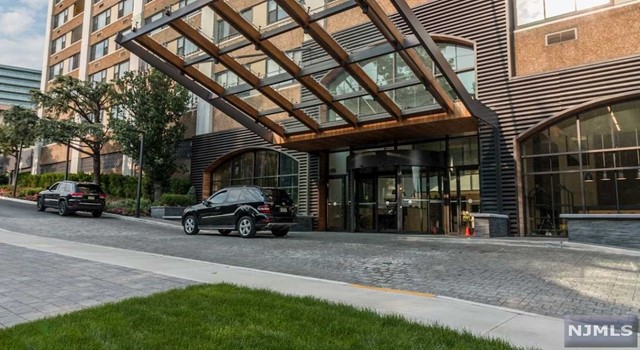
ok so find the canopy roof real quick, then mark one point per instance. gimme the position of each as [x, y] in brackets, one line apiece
[295, 121]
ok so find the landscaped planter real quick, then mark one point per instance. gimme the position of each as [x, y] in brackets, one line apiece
[167, 212]
[490, 225]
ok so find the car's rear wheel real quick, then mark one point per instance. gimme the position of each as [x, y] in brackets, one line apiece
[63, 210]
[96, 213]
[40, 204]
[224, 232]
[246, 227]
[280, 232]
[190, 225]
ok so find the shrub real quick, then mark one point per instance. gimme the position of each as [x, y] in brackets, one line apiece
[179, 186]
[29, 191]
[4, 179]
[177, 200]
[127, 206]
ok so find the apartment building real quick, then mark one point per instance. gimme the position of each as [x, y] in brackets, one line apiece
[80, 42]
[400, 116]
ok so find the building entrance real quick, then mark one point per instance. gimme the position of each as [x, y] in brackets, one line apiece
[401, 197]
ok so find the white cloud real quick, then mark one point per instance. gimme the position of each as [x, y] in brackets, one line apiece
[16, 22]
[34, 4]
[24, 52]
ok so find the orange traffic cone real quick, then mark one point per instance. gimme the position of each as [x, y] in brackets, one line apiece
[467, 231]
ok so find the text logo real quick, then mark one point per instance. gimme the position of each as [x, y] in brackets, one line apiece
[600, 331]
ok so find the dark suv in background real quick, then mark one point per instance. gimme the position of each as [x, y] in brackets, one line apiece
[70, 196]
[246, 209]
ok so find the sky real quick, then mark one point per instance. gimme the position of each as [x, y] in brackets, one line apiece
[22, 32]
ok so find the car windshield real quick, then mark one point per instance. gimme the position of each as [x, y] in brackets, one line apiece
[89, 188]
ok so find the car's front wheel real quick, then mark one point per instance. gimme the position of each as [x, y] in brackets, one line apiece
[280, 232]
[63, 210]
[246, 227]
[224, 232]
[40, 204]
[190, 225]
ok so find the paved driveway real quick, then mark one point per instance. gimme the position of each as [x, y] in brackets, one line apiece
[545, 280]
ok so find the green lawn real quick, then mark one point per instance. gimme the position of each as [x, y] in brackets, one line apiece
[229, 317]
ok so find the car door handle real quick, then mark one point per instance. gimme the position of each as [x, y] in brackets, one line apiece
[216, 208]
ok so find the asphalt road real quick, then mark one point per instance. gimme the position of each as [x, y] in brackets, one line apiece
[544, 280]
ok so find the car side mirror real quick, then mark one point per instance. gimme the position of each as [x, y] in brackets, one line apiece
[205, 203]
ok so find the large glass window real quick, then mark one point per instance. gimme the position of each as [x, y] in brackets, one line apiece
[261, 168]
[275, 12]
[391, 69]
[588, 163]
[529, 11]
[101, 20]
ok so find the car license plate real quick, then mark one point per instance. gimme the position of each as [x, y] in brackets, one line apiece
[284, 209]
[91, 198]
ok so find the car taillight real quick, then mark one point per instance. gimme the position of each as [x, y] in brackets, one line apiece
[77, 195]
[264, 209]
[103, 196]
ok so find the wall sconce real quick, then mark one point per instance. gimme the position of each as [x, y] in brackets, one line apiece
[620, 176]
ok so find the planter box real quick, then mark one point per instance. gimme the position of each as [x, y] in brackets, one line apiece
[490, 225]
[621, 230]
[303, 223]
[167, 212]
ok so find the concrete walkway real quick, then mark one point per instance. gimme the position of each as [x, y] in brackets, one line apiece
[519, 328]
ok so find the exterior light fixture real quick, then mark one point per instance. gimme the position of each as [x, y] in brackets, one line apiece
[638, 176]
[620, 176]
[588, 177]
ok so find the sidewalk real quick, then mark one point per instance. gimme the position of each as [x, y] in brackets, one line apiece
[518, 327]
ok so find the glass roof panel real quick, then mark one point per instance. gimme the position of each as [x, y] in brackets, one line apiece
[412, 97]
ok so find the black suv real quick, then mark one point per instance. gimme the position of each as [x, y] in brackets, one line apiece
[70, 196]
[245, 209]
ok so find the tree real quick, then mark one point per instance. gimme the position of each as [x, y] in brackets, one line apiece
[74, 112]
[151, 103]
[17, 130]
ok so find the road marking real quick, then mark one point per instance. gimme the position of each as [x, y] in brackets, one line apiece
[391, 290]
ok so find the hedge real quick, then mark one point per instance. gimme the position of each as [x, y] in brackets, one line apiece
[112, 184]
[177, 200]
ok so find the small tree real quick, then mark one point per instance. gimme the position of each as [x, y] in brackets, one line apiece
[153, 104]
[74, 111]
[17, 130]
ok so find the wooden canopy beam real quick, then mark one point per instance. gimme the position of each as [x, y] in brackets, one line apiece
[244, 73]
[207, 82]
[277, 55]
[324, 39]
[394, 36]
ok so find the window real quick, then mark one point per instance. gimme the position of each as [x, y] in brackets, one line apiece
[275, 12]
[61, 18]
[101, 20]
[273, 69]
[58, 44]
[218, 198]
[224, 31]
[99, 77]
[597, 172]
[261, 168]
[120, 69]
[125, 7]
[390, 69]
[530, 11]
[74, 62]
[183, 3]
[56, 70]
[100, 49]
[185, 47]
[154, 17]
[227, 79]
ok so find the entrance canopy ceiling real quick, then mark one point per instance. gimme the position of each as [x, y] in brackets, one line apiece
[255, 99]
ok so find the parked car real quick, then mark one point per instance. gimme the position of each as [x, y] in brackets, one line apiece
[245, 209]
[70, 196]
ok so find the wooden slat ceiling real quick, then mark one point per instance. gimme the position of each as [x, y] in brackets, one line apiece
[452, 117]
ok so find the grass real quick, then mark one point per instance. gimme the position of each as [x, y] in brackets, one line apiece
[229, 317]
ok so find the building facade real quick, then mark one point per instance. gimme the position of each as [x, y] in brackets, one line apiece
[15, 84]
[561, 78]
[80, 42]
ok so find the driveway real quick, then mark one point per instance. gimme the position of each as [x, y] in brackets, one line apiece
[545, 280]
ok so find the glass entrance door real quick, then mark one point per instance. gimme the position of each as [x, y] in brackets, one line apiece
[336, 204]
[387, 202]
[365, 203]
[465, 197]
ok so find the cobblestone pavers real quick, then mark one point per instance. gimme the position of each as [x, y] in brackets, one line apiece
[35, 284]
[541, 279]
